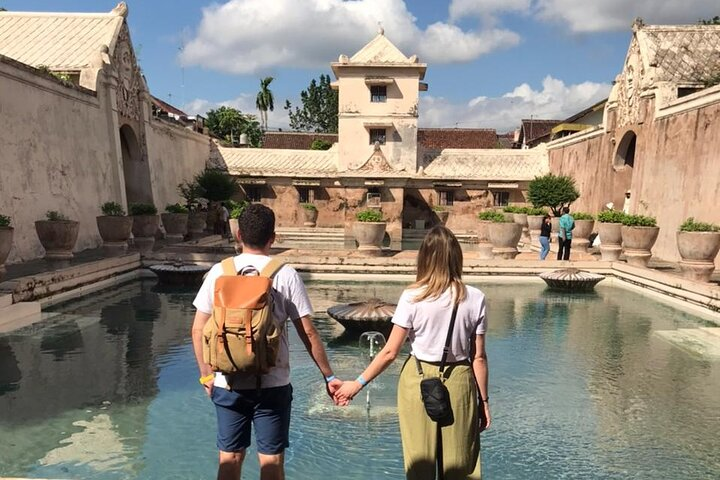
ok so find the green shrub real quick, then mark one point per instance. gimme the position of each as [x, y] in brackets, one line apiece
[217, 185]
[112, 209]
[492, 216]
[142, 209]
[610, 216]
[55, 216]
[690, 225]
[438, 208]
[369, 216]
[308, 206]
[320, 144]
[237, 208]
[537, 211]
[510, 209]
[639, 221]
[552, 191]
[5, 221]
[176, 208]
[192, 193]
[582, 216]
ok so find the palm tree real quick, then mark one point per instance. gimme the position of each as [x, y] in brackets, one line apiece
[265, 101]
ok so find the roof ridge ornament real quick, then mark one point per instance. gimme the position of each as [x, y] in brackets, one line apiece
[381, 30]
[121, 10]
[638, 24]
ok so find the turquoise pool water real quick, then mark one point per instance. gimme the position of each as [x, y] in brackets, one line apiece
[581, 387]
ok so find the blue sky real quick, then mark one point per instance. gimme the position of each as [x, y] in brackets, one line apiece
[490, 62]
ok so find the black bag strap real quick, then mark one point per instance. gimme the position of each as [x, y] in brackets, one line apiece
[446, 348]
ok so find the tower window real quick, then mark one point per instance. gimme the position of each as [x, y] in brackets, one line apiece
[253, 193]
[501, 199]
[306, 194]
[446, 198]
[377, 135]
[378, 93]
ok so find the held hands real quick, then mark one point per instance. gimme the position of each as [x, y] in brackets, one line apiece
[485, 418]
[346, 392]
[332, 386]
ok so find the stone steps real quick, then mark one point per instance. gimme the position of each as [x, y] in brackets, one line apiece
[702, 341]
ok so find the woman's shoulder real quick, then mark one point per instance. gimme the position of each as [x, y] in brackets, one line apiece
[474, 294]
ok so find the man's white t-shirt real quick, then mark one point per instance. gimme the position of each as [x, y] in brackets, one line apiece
[290, 302]
[429, 320]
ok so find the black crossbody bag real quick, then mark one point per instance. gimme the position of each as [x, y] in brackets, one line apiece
[435, 395]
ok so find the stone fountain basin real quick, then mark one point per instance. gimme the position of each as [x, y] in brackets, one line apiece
[188, 274]
[359, 317]
[571, 280]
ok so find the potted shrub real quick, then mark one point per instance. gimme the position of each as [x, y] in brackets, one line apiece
[236, 209]
[442, 213]
[57, 235]
[6, 238]
[485, 246]
[310, 214]
[639, 233]
[554, 192]
[610, 232]
[216, 186]
[369, 231]
[584, 224]
[114, 226]
[504, 236]
[145, 225]
[534, 220]
[519, 216]
[175, 222]
[509, 213]
[698, 244]
[192, 193]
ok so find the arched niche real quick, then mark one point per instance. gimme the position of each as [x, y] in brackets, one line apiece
[136, 171]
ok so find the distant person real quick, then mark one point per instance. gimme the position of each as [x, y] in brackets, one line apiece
[626, 203]
[567, 224]
[225, 218]
[545, 230]
[424, 315]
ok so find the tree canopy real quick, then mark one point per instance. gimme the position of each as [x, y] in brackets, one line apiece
[265, 100]
[710, 21]
[228, 123]
[319, 111]
[553, 191]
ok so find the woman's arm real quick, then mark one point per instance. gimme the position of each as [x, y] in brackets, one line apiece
[381, 361]
[480, 370]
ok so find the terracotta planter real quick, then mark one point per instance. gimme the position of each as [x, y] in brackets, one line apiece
[610, 241]
[534, 225]
[369, 236]
[144, 229]
[504, 238]
[522, 219]
[581, 234]
[509, 217]
[697, 250]
[443, 216]
[57, 237]
[309, 217]
[485, 246]
[6, 238]
[175, 225]
[114, 231]
[196, 223]
[638, 243]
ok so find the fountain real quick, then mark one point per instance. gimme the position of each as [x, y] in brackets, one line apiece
[571, 280]
[180, 273]
[372, 315]
[371, 342]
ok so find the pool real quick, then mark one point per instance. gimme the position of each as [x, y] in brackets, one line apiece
[581, 387]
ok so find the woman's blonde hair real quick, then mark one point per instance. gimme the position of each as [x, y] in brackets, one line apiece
[439, 266]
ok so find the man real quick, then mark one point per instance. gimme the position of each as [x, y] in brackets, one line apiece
[567, 224]
[238, 400]
[626, 203]
[224, 217]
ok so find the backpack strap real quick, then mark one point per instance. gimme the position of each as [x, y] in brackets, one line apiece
[272, 268]
[228, 267]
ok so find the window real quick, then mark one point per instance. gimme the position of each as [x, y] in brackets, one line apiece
[446, 198]
[253, 193]
[501, 199]
[378, 93]
[377, 135]
[306, 194]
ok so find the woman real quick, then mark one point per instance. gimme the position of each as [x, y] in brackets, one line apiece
[423, 313]
[545, 230]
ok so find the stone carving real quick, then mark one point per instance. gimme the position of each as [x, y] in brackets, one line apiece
[629, 82]
[129, 89]
[376, 163]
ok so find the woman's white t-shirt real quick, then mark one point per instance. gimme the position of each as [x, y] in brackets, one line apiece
[428, 322]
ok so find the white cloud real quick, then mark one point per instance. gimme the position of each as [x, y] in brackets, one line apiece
[250, 36]
[554, 101]
[485, 8]
[245, 102]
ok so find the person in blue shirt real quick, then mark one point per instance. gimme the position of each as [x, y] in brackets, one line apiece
[567, 224]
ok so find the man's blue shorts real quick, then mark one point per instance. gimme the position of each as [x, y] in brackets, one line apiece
[268, 409]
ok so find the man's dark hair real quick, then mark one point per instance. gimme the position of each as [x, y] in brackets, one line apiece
[256, 225]
[566, 209]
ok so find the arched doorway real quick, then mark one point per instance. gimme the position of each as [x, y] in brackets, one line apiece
[625, 153]
[624, 165]
[135, 169]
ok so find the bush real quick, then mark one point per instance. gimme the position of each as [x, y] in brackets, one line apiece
[320, 144]
[610, 216]
[510, 209]
[552, 191]
[582, 216]
[192, 193]
[217, 185]
[176, 208]
[369, 216]
[690, 225]
[55, 216]
[438, 208]
[492, 216]
[5, 221]
[639, 221]
[112, 209]
[308, 206]
[236, 208]
[142, 209]
[537, 211]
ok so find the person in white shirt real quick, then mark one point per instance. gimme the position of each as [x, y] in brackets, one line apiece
[423, 315]
[238, 400]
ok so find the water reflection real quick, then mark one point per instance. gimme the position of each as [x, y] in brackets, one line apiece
[9, 372]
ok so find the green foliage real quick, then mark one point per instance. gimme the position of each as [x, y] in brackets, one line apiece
[710, 21]
[492, 216]
[55, 216]
[690, 225]
[319, 108]
[308, 206]
[176, 208]
[639, 221]
[228, 123]
[537, 211]
[63, 77]
[320, 144]
[192, 193]
[582, 216]
[265, 100]
[112, 209]
[5, 221]
[217, 185]
[369, 216]
[237, 208]
[510, 209]
[142, 209]
[438, 208]
[553, 191]
[610, 216]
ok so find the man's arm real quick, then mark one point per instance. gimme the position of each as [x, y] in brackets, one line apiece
[313, 344]
[197, 339]
[480, 371]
